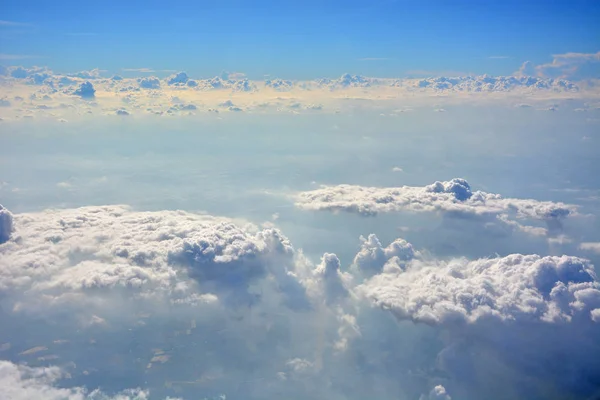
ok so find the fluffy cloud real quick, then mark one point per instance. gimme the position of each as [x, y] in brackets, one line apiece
[180, 78]
[437, 393]
[150, 82]
[372, 257]
[280, 85]
[512, 288]
[486, 83]
[200, 305]
[102, 248]
[21, 382]
[453, 197]
[513, 319]
[91, 74]
[85, 91]
[6, 224]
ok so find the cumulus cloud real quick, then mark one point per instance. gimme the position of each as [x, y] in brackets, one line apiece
[150, 82]
[6, 224]
[141, 252]
[180, 78]
[512, 288]
[513, 319]
[437, 393]
[453, 198]
[139, 293]
[372, 257]
[85, 91]
[21, 382]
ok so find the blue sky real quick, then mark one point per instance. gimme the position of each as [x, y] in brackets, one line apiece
[297, 40]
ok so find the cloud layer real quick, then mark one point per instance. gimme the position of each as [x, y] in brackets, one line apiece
[203, 305]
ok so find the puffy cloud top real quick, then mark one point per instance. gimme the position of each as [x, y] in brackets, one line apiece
[97, 248]
[373, 256]
[86, 90]
[279, 84]
[454, 196]
[6, 224]
[439, 393]
[180, 78]
[512, 288]
[150, 82]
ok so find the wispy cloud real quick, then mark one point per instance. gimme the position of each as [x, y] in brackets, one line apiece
[8, 57]
[499, 57]
[428, 73]
[81, 34]
[12, 23]
[373, 59]
[142, 70]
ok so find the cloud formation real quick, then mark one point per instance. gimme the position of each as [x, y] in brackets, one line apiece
[21, 382]
[85, 91]
[453, 198]
[150, 82]
[574, 66]
[207, 305]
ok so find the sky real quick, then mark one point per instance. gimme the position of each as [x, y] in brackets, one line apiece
[294, 40]
[317, 200]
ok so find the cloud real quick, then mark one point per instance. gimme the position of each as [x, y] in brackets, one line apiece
[505, 320]
[593, 247]
[12, 57]
[512, 288]
[575, 66]
[438, 393]
[142, 70]
[91, 74]
[134, 254]
[281, 85]
[85, 91]
[372, 257]
[454, 198]
[6, 224]
[150, 82]
[13, 23]
[232, 76]
[201, 305]
[21, 382]
[180, 78]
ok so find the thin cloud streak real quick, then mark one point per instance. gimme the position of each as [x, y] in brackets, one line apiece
[373, 59]
[8, 57]
[13, 23]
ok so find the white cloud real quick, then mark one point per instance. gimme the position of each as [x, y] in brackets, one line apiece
[21, 382]
[513, 288]
[454, 198]
[576, 66]
[150, 82]
[180, 78]
[86, 90]
[372, 257]
[438, 393]
[590, 246]
[6, 224]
